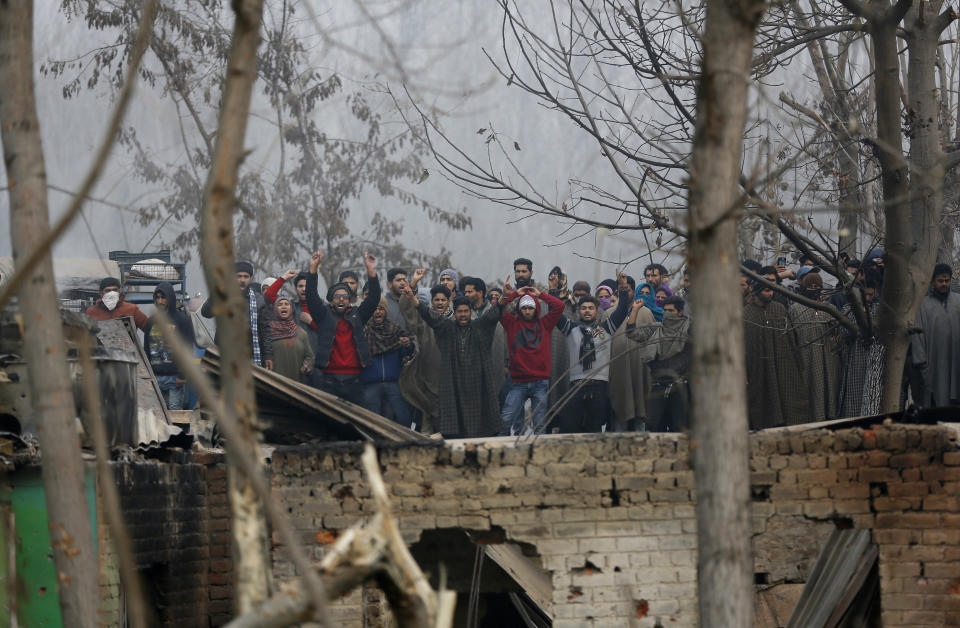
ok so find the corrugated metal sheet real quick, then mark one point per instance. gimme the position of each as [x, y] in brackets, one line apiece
[840, 572]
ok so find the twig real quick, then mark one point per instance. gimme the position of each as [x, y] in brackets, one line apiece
[26, 267]
[802, 300]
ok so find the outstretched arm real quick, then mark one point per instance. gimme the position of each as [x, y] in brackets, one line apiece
[429, 316]
[369, 305]
[623, 305]
[316, 305]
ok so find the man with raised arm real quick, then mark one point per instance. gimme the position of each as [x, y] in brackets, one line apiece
[468, 383]
[528, 337]
[342, 350]
[589, 343]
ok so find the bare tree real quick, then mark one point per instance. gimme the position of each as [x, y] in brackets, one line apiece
[251, 539]
[912, 183]
[331, 147]
[719, 444]
[51, 392]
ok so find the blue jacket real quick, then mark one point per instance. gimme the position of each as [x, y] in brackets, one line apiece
[385, 367]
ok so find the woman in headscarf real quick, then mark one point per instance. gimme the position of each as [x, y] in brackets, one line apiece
[645, 292]
[292, 354]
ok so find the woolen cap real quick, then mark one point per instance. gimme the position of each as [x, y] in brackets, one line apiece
[244, 267]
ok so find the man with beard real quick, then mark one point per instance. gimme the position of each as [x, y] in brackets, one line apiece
[396, 284]
[468, 377]
[656, 276]
[665, 347]
[528, 340]
[342, 350]
[111, 304]
[420, 381]
[475, 290]
[450, 278]
[775, 385]
[936, 352]
[589, 346]
[523, 272]
[259, 312]
[817, 341]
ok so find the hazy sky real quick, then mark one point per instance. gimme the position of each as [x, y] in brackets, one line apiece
[441, 47]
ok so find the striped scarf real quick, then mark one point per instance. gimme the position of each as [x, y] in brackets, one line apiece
[254, 325]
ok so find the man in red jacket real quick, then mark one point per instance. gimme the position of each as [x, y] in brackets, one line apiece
[528, 339]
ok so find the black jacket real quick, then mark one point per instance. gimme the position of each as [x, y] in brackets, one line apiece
[159, 355]
[327, 321]
[264, 316]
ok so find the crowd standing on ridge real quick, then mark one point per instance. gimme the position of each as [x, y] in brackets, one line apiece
[464, 359]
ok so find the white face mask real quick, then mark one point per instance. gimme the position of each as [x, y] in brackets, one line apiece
[111, 299]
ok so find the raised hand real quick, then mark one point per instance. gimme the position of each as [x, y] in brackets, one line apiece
[507, 288]
[408, 292]
[621, 279]
[290, 274]
[315, 260]
[371, 264]
[418, 274]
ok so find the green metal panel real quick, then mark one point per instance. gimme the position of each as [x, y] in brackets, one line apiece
[38, 602]
[5, 585]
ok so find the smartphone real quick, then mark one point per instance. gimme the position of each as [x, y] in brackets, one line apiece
[782, 260]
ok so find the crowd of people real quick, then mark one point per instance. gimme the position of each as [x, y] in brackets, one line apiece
[464, 359]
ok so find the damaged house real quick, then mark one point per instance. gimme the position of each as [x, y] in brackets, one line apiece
[855, 523]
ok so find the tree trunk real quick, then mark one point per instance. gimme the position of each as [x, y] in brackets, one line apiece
[250, 535]
[51, 391]
[719, 444]
[912, 211]
[891, 327]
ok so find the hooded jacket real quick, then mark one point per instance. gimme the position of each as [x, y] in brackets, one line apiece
[158, 353]
[529, 341]
[354, 317]
[99, 312]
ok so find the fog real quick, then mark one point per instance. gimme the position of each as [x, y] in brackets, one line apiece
[439, 49]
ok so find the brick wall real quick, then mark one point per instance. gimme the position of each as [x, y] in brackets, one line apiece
[611, 518]
[177, 515]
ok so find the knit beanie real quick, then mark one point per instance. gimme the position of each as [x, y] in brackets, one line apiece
[106, 282]
[527, 301]
[339, 286]
[244, 267]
